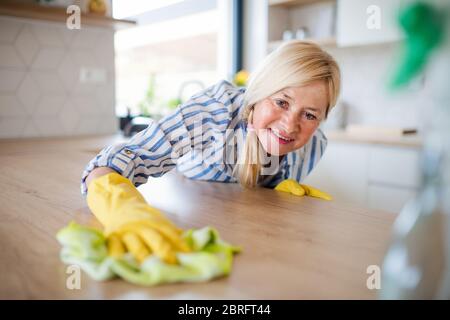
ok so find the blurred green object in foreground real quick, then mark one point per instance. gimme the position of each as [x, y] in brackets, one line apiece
[86, 247]
[424, 29]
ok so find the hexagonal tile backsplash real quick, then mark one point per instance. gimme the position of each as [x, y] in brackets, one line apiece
[40, 91]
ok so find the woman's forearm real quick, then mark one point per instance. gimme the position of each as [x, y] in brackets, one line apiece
[97, 172]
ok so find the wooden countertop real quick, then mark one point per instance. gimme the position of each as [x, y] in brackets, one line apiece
[293, 247]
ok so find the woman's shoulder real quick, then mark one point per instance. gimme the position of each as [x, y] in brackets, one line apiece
[223, 91]
[318, 141]
[319, 134]
[221, 100]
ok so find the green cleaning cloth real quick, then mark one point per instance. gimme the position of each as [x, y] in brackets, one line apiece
[86, 247]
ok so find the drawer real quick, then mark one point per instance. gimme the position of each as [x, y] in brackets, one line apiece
[394, 166]
[389, 198]
[342, 172]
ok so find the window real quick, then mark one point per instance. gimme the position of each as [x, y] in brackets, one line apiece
[171, 54]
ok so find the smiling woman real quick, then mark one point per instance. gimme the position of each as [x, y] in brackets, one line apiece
[286, 120]
[278, 114]
[214, 136]
[287, 98]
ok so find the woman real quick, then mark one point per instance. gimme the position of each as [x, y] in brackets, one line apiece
[265, 135]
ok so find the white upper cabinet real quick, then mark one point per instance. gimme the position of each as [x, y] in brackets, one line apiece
[362, 22]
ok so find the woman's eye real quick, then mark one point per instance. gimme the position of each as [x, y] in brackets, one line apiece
[310, 116]
[281, 103]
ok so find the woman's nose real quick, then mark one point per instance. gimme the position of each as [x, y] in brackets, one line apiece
[290, 122]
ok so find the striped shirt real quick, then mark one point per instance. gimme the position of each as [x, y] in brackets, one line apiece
[195, 139]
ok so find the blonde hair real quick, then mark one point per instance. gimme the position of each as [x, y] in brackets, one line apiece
[295, 63]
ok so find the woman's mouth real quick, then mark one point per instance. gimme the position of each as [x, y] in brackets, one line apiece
[281, 139]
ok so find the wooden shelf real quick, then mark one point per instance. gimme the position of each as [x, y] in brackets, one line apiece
[327, 42]
[290, 3]
[58, 14]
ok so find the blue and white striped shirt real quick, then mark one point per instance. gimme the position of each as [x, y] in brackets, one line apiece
[195, 139]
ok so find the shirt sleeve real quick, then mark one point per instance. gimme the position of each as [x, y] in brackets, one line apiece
[155, 150]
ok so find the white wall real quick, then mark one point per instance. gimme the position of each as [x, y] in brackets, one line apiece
[225, 39]
[255, 33]
[366, 71]
[40, 91]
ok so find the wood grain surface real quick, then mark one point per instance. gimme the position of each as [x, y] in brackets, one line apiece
[293, 247]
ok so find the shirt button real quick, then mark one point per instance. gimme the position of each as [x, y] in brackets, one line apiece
[128, 152]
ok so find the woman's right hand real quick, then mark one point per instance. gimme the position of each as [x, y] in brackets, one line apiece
[130, 223]
[97, 172]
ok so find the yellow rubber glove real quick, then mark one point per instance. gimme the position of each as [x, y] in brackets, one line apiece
[130, 223]
[295, 188]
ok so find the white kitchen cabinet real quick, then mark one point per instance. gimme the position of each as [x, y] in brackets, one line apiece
[312, 20]
[389, 198]
[371, 175]
[342, 172]
[362, 22]
[394, 166]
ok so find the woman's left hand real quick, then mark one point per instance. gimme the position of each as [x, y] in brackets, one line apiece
[295, 188]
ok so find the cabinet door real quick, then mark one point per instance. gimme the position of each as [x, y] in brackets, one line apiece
[342, 172]
[361, 22]
[389, 198]
[394, 166]
[380, 177]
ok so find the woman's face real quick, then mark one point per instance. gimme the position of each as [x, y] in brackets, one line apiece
[286, 120]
